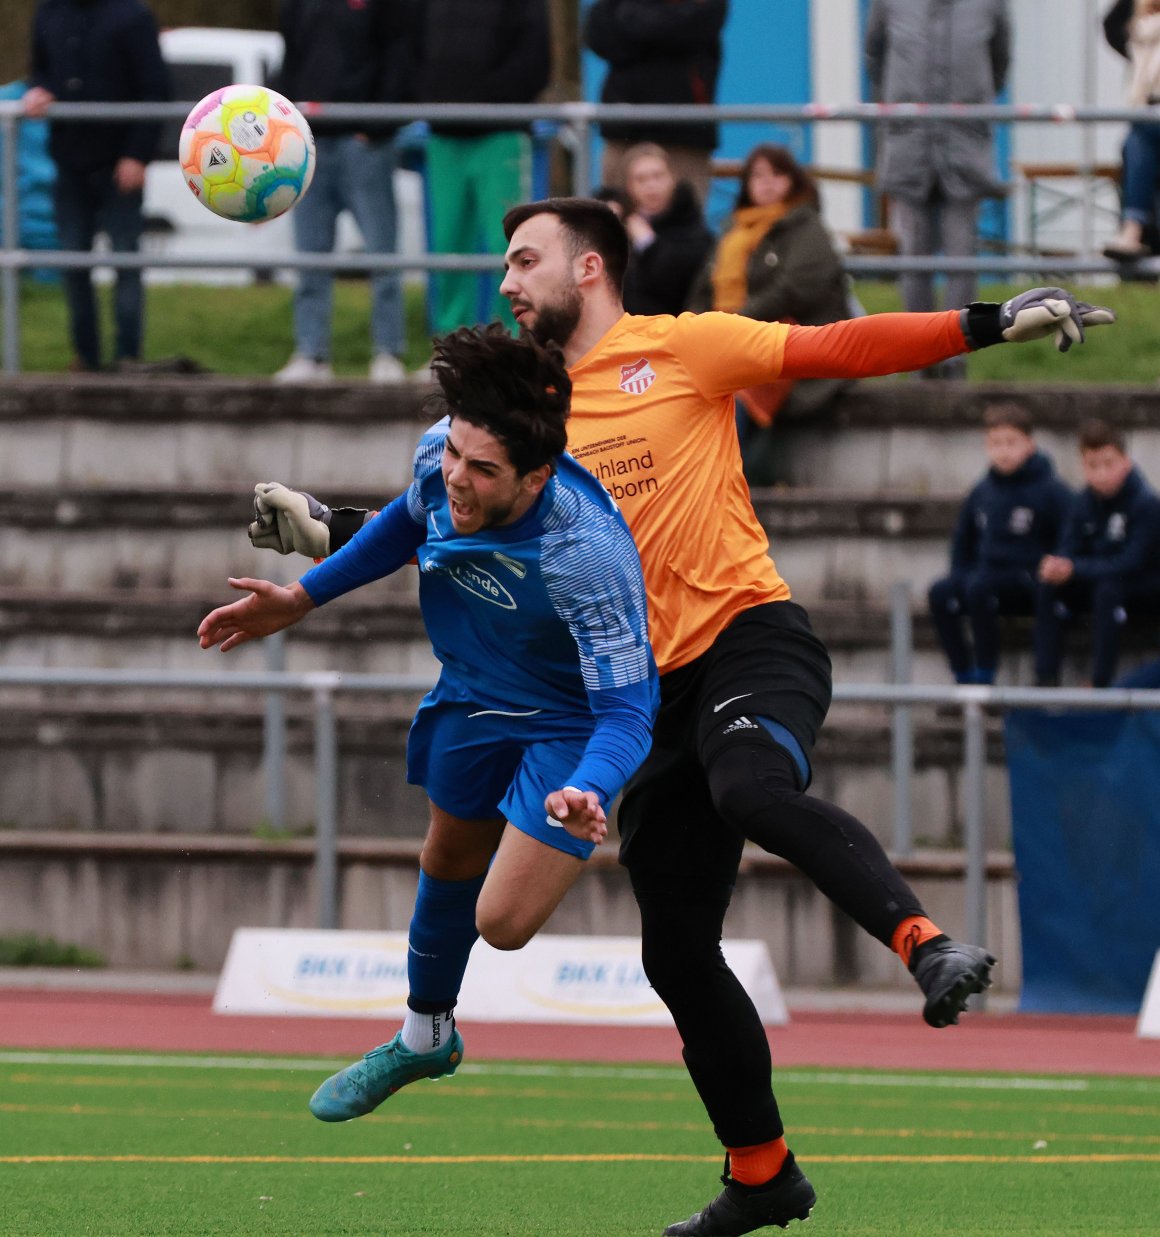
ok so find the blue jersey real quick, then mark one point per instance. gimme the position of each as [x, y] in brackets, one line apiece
[547, 613]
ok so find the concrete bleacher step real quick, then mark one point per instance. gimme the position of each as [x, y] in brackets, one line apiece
[125, 503]
[827, 544]
[913, 437]
[218, 433]
[380, 630]
[195, 765]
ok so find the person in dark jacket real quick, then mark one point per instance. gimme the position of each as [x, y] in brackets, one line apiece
[1108, 560]
[670, 238]
[937, 51]
[775, 262]
[477, 51]
[659, 51]
[1009, 522]
[343, 52]
[98, 51]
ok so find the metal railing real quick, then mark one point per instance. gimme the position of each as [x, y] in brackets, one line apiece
[576, 121]
[323, 686]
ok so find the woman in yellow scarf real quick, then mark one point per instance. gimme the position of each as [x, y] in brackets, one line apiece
[776, 262]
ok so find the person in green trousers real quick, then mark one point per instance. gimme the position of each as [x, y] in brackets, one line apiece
[477, 51]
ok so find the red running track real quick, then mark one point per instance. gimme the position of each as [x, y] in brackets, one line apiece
[1018, 1043]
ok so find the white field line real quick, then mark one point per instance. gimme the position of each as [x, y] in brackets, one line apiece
[514, 1070]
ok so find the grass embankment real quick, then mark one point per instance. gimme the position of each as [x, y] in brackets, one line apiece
[247, 331]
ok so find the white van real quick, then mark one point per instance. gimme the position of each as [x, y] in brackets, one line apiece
[202, 59]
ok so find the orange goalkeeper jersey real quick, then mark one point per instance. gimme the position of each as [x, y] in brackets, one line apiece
[652, 418]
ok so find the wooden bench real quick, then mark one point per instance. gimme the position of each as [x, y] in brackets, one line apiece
[1047, 200]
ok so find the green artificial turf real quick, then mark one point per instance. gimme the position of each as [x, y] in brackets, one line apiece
[247, 331]
[103, 1148]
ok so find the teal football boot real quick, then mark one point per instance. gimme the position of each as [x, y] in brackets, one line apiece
[362, 1087]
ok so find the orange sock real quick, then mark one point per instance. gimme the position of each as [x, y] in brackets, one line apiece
[759, 1164]
[913, 931]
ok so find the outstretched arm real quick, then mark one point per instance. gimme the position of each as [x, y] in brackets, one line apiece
[268, 608]
[892, 343]
[874, 345]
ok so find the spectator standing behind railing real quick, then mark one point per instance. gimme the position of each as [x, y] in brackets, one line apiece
[1141, 156]
[775, 262]
[669, 235]
[1108, 563]
[1009, 522]
[477, 51]
[98, 51]
[659, 51]
[936, 173]
[347, 51]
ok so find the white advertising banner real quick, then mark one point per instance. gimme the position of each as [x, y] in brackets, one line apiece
[1148, 1026]
[572, 979]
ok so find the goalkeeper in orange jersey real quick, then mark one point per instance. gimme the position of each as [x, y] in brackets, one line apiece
[745, 683]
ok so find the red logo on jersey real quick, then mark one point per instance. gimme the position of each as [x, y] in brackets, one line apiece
[637, 378]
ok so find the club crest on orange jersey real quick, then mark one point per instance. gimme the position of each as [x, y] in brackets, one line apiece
[636, 379]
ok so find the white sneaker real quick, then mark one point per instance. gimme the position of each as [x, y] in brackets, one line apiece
[304, 369]
[387, 369]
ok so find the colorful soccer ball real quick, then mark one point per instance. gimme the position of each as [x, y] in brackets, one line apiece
[246, 153]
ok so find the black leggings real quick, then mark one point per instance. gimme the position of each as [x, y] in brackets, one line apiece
[754, 790]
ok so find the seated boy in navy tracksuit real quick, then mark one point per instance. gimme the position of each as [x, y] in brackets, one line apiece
[1010, 520]
[1108, 560]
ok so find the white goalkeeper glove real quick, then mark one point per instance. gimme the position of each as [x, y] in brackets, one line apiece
[289, 521]
[1033, 315]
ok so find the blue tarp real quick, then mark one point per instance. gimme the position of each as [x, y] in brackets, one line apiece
[36, 173]
[1085, 810]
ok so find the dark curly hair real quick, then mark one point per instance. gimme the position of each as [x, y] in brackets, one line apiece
[516, 389]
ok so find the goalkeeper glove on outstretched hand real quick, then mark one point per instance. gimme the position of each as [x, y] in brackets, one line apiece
[1032, 315]
[289, 521]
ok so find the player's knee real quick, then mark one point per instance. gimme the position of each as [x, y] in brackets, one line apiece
[447, 862]
[672, 966]
[502, 931]
[680, 937]
[748, 779]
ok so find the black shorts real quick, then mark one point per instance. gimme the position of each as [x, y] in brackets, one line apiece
[766, 664]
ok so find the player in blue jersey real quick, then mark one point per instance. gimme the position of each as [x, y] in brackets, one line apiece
[532, 595]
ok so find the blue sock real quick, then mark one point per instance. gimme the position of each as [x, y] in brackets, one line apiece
[965, 677]
[441, 935]
[985, 676]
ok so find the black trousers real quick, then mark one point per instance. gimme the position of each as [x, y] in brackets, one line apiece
[1109, 600]
[730, 762]
[978, 599]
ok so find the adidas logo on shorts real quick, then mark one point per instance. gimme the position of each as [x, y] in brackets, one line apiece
[740, 723]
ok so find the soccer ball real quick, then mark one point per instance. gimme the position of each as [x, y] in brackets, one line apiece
[247, 153]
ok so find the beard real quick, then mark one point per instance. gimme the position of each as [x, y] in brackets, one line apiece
[556, 322]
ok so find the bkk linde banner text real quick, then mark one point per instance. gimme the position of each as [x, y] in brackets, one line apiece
[567, 979]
